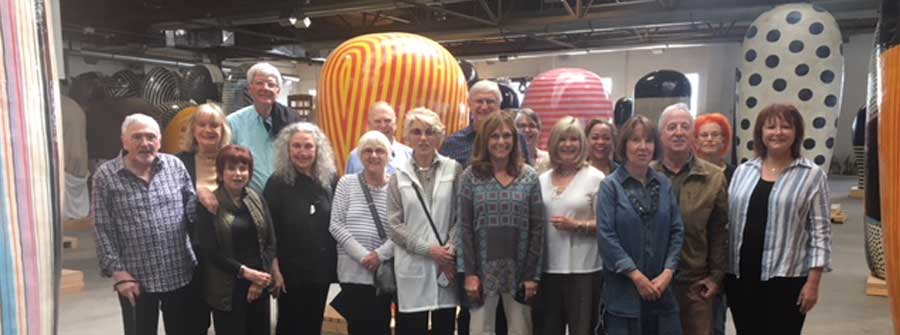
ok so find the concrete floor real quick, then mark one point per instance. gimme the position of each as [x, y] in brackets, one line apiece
[843, 306]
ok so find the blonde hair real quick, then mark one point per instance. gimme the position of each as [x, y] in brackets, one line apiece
[566, 126]
[214, 111]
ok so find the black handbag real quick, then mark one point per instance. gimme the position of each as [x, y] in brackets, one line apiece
[385, 280]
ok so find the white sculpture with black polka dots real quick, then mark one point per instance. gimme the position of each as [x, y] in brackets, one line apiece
[792, 54]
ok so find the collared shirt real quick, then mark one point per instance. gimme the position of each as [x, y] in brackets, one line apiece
[141, 227]
[798, 232]
[701, 191]
[459, 146]
[399, 154]
[249, 129]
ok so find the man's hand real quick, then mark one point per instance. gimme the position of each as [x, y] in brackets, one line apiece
[130, 289]
[706, 287]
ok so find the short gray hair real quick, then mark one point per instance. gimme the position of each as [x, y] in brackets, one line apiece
[142, 119]
[382, 105]
[426, 116]
[373, 138]
[672, 109]
[265, 69]
[529, 113]
[324, 169]
[486, 86]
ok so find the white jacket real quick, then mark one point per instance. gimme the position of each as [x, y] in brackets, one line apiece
[417, 273]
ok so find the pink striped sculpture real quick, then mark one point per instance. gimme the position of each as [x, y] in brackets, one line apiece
[567, 92]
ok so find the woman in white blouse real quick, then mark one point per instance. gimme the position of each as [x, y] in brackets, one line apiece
[421, 222]
[570, 282]
[362, 245]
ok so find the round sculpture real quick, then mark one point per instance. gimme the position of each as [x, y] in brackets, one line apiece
[510, 98]
[469, 72]
[567, 92]
[659, 89]
[884, 95]
[405, 70]
[173, 133]
[792, 54]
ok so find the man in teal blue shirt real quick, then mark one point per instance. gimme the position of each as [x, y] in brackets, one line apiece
[257, 126]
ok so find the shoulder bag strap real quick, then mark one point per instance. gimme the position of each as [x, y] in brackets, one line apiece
[427, 214]
[375, 216]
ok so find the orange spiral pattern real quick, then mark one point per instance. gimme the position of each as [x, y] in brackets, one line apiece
[406, 70]
[889, 157]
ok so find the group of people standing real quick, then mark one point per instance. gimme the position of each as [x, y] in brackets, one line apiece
[636, 230]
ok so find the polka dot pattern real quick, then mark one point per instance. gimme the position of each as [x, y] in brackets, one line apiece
[793, 54]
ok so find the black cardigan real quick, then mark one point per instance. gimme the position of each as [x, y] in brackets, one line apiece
[306, 250]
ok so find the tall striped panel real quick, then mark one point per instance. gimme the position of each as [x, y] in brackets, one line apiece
[567, 92]
[889, 153]
[406, 70]
[30, 170]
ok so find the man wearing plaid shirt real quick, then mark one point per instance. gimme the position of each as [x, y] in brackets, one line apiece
[141, 204]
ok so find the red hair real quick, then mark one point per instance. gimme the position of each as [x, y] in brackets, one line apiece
[233, 154]
[723, 123]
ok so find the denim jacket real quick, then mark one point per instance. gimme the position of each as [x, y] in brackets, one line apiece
[627, 243]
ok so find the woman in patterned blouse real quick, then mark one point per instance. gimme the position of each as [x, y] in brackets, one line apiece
[500, 201]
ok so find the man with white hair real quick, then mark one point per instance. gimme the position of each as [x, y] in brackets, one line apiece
[256, 126]
[383, 119]
[142, 201]
[701, 190]
[484, 99]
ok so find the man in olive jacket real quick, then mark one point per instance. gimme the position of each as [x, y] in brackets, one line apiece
[702, 194]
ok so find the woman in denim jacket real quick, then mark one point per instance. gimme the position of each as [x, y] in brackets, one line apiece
[640, 236]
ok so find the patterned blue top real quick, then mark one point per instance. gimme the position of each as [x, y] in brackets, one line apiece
[798, 232]
[502, 229]
[141, 227]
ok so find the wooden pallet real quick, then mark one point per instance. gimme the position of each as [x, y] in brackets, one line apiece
[83, 224]
[876, 287]
[333, 323]
[72, 281]
[857, 192]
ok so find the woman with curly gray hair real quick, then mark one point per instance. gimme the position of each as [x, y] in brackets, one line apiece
[299, 195]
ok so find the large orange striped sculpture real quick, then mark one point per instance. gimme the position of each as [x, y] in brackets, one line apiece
[567, 92]
[885, 92]
[406, 70]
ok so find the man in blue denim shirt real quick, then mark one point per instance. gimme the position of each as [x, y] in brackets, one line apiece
[640, 234]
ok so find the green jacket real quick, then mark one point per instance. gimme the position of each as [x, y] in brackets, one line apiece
[220, 270]
[703, 198]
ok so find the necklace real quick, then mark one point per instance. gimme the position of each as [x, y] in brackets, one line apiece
[565, 172]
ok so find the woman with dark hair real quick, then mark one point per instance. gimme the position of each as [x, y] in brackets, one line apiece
[601, 136]
[640, 237]
[501, 216]
[780, 229]
[238, 243]
[714, 141]
[299, 194]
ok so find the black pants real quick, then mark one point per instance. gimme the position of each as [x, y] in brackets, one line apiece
[571, 300]
[176, 307]
[302, 308]
[442, 322]
[245, 318]
[200, 311]
[376, 316]
[765, 307]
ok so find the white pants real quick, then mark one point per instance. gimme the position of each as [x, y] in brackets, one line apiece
[518, 316]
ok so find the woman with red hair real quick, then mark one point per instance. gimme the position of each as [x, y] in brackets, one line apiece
[714, 139]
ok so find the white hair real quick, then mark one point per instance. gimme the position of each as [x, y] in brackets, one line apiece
[265, 69]
[486, 86]
[141, 119]
[672, 109]
[324, 169]
[373, 138]
[382, 106]
[426, 116]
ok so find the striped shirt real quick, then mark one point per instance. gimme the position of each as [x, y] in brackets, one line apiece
[798, 232]
[354, 230]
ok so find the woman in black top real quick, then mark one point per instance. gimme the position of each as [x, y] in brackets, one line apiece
[299, 196]
[238, 243]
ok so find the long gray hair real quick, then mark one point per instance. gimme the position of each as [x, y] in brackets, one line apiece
[324, 169]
